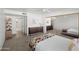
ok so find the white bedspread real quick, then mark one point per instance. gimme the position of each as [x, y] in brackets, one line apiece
[55, 43]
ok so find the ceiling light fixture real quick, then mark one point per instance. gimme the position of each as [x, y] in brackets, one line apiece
[24, 13]
[45, 10]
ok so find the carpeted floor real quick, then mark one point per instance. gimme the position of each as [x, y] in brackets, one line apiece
[20, 42]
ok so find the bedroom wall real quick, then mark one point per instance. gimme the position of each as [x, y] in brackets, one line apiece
[66, 21]
[34, 20]
[13, 25]
[19, 24]
[2, 28]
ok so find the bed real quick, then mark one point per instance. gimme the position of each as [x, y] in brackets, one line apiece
[71, 32]
[54, 43]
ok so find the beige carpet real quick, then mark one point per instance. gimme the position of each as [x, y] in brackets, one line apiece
[18, 43]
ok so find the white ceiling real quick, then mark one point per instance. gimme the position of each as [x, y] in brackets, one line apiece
[46, 10]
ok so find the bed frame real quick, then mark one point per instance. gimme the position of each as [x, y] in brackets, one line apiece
[64, 32]
[38, 29]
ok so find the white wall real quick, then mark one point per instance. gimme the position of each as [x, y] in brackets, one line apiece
[2, 28]
[67, 21]
[34, 20]
[19, 24]
[13, 25]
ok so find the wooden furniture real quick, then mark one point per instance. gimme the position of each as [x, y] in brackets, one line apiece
[49, 28]
[8, 32]
[35, 29]
[38, 29]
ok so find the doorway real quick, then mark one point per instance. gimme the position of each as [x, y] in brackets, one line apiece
[13, 25]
